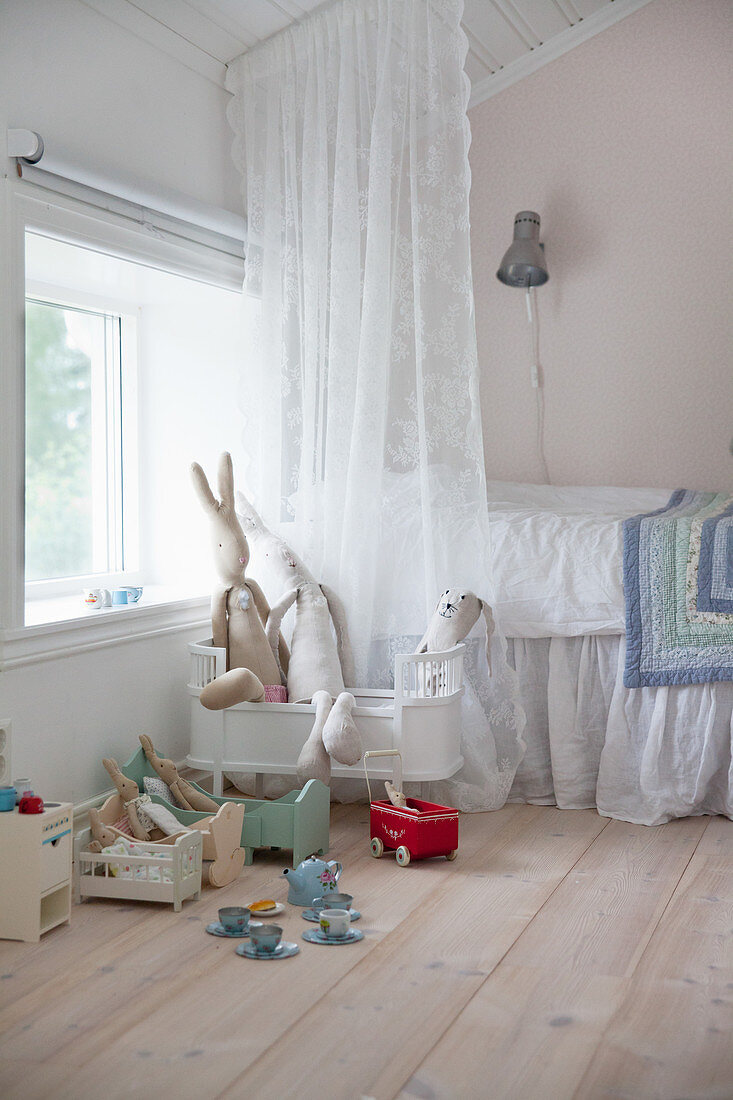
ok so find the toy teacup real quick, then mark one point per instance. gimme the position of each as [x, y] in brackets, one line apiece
[264, 937]
[235, 918]
[334, 923]
[333, 901]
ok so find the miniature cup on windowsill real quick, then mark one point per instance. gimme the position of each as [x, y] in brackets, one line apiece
[94, 598]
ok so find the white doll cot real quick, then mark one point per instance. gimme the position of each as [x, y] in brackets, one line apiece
[421, 718]
[154, 872]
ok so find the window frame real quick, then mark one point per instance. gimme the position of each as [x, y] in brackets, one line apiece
[115, 227]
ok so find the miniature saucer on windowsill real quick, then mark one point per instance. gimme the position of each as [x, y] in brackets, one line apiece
[315, 916]
[217, 929]
[314, 935]
[284, 950]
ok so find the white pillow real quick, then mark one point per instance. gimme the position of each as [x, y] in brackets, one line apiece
[164, 819]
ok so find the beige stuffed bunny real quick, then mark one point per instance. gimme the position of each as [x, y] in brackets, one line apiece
[320, 657]
[454, 616]
[142, 828]
[239, 610]
[186, 796]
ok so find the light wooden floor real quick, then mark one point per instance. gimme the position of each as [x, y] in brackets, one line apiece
[561, 955]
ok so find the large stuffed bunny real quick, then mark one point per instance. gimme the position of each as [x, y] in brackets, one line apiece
[239, 610]
[454, 616]
[319, 652]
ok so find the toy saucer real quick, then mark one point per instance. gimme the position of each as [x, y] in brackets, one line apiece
[218, 929]
[315, 915]
[284, 950]
[314, 935]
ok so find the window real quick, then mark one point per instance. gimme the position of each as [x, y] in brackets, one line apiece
[80, 423]
[74, 429]
[128, 369]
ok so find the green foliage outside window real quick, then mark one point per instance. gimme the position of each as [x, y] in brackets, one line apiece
[58, 448]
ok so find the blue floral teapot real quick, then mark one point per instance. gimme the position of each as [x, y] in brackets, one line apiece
[310, 879]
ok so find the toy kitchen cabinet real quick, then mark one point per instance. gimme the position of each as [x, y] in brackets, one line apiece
[35, 871]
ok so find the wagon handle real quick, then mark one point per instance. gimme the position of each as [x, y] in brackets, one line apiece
[396, 771]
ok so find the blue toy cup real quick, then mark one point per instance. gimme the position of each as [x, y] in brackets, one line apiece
[7, 799]
[119, 597]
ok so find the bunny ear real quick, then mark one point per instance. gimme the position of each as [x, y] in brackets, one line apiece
[226, 480]
[489, 630]
[203, 491]
[245, 509]
[112, 767]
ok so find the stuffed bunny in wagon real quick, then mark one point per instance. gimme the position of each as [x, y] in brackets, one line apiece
[239, 609]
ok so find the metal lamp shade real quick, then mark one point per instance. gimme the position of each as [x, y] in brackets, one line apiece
[524, 261]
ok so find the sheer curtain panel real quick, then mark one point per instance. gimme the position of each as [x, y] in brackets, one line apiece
[360, 395]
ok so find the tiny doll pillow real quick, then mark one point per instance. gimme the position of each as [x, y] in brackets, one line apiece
[164, 819]
[122, 825]
[155, 785]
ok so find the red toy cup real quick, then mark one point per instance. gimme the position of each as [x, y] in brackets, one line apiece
[30, 804]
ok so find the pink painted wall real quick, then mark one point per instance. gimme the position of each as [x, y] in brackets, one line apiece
[623, 146]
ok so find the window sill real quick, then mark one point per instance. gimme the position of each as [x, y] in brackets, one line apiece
[61, 627]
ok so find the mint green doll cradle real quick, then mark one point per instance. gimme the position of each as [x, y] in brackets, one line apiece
[298, 821]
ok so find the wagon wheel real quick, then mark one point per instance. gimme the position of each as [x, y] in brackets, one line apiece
[403, 855]
[377, 847]
[451, 855]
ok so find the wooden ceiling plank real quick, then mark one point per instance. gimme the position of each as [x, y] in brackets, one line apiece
[546, 19]
[513, 17]
[481, 52]
[494, 31]
[586, 8]
[188, 21]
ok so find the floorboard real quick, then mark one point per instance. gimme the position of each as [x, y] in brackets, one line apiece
[560, 955]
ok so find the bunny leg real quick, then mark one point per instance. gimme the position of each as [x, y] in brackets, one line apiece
[314, 762]
[341, 737]
[238, 686]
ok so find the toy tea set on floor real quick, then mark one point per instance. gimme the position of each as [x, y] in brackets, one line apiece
[312, 885]
[156, 835]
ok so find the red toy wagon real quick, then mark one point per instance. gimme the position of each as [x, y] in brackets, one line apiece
[418, 831]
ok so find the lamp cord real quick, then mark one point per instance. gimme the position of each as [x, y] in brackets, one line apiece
[537, 384]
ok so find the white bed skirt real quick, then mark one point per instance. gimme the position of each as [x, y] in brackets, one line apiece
[642, 755]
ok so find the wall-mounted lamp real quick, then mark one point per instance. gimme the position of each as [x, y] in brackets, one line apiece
[524, 261]
[524, 265]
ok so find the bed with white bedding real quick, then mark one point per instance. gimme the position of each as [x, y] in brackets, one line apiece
[640, 754]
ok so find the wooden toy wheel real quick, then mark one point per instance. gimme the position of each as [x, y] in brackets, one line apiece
[451, 855]
[377, 847]
[403, 855]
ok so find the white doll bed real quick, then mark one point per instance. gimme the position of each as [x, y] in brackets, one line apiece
[156, 872]
[421, 718]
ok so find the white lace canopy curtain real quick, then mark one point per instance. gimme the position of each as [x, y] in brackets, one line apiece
[360, 394]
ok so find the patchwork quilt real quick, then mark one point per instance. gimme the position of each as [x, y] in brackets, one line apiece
[678, 587]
